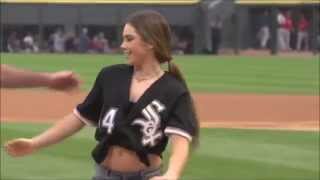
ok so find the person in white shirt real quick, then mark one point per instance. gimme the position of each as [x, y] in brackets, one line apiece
[58, 41]
[281, 31]
[28, 42]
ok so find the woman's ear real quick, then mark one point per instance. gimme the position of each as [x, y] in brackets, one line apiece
[149, 46]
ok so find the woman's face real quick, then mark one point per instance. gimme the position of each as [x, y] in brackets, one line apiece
[133, 46]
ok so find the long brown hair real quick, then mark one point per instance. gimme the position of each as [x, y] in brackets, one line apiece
[155, 30]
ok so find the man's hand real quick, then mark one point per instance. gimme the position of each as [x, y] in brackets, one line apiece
[63, 80]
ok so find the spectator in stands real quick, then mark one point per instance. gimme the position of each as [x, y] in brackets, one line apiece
[182, 46]
[100, 43]
[303, 27]
[288, 26]
[318, 42]
[58, 41]
[36, 43]
[84, 41]
[29, 43]
[179, 45]
[50, 43]
[14, 44]
[281, 31]
[70, 42]
[105, 42]
[216, 26]
[174, 43]
[95, 45]
[264, 32]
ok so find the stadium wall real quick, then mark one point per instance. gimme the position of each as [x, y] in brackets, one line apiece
[73, 15]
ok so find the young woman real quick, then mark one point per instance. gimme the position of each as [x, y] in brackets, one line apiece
[136, 108]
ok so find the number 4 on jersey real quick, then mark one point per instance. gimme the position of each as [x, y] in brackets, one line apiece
[108, 119]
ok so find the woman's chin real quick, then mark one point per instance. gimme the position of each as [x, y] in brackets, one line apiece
[130, 62]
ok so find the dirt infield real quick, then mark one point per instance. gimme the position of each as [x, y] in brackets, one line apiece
[215, 110]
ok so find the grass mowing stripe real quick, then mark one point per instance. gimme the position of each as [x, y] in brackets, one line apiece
[225, 88]
[58, 162]
[264, 153]
[276, 148]
[34, 128]
[244, 170]
[298, 73]
[228, 154]
[251, 86]
[255, 81]
[44, 166]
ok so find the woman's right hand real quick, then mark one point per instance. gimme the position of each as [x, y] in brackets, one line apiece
[20, 147]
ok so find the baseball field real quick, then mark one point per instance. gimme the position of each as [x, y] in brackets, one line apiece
[260, 117]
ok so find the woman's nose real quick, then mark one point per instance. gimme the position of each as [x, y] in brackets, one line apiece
[122, 46]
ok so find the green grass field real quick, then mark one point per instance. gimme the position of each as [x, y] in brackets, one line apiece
[224, 154]
[233, 74]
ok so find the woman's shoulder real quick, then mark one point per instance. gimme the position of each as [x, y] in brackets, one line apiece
[175, 85]
[116, 68]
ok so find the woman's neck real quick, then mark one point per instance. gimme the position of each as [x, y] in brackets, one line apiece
[148, 70]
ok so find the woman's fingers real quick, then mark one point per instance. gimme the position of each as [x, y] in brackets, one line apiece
[19, 147]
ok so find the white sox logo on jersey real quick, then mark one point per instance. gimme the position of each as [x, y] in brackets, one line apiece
[151, 123]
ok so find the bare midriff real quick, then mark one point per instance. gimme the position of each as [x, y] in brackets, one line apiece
[124, 160]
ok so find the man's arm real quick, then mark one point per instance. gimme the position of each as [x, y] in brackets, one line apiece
[11, 77]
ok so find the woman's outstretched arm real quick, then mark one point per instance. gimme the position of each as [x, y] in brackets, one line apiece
[64, 128]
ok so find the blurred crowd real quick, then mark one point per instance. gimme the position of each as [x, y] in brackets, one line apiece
[292, 33]
[67, 42]
[60, 42]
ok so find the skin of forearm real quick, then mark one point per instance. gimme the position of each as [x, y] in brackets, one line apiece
[18, 78]
[64, 128]
[179, 155]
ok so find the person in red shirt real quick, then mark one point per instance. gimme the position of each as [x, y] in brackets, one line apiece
[288, 26]
[303, 25]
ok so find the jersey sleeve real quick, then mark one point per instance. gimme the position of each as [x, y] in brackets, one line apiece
[182, 119]
[89, 110]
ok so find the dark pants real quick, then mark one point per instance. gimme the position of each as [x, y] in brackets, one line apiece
[215, 39]
[105, 174]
